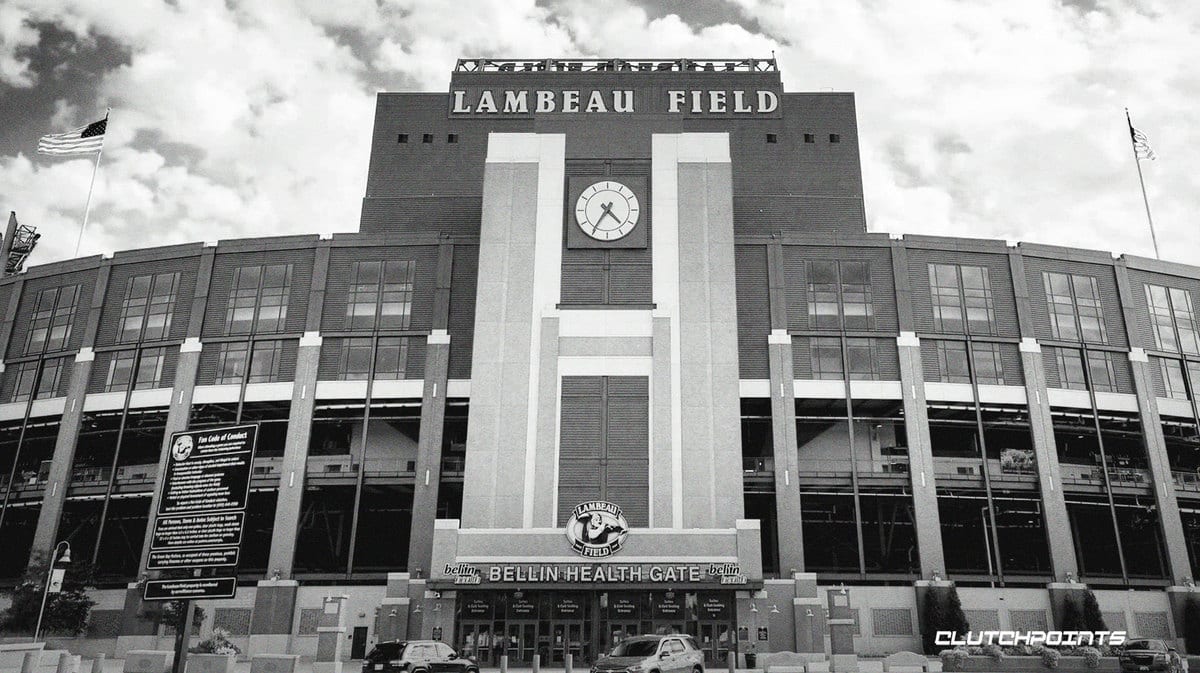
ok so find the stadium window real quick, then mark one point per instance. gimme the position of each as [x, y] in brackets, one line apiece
[40, 379]
[952, 362]
[1100, 370]
[51, 378]
[258, 299]
[231, 362]
[121, 367]
[961, 295]
[402, 138]
[427, 138]
[1173, 318]
[1074, 305]
[772, 138]
[835, 138]
[452, 138]
[1173, 381]
[264, 361]
[380, 295]
[810, 138]
[861, 361]
[355, 362]
[839, 295]
[989, 369]
[391, 358]
[148, 307]
[50, 324]
[827, 358]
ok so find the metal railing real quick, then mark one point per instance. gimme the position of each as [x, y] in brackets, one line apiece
[616, 65]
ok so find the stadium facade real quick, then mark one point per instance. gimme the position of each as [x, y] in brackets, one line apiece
[641, 284]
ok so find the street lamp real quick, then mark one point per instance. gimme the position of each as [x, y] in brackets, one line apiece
[54, 557]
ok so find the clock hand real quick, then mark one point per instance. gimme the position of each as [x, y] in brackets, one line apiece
[607, 208]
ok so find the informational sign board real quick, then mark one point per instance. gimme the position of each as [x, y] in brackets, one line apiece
[199, 587]
[201, 511]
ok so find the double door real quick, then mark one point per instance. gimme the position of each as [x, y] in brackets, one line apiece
[478, 641]
[715, 638]
[520, 641]
[566, 637]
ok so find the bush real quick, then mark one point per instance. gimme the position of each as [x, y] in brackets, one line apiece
[995, 652]
[1191, 623]
[1093, 619]
[1050, 657]
[1091, 656]
[955, 659]
[66, 612]
[1072, 618]
[218, 643]
[942, 612]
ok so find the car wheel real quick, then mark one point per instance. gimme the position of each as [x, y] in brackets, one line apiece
[697, 669]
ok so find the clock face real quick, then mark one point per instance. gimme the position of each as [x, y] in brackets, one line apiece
[607, 211]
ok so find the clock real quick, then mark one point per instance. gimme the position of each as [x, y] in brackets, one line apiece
[607, 210]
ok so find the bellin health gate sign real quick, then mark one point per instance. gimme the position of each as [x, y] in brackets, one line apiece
[201, 512]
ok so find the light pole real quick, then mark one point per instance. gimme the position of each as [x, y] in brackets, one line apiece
[65, 558]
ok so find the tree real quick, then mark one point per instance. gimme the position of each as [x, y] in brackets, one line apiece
[1093, 619]
[66, 612]
[942, 612]
[1072, 619]
[1191, 623]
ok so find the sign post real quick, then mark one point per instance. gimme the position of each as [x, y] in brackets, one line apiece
[198, 525]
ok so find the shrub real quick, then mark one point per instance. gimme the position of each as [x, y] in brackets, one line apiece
[955, 659]
[218, 643]
[1191, 623]
[66, 612]
[1050, 657]
[995, 652]
[1072, 618]
[942, 612]
[1091, 656]
[1093, 619]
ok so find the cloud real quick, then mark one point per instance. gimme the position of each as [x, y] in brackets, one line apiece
[236, 119]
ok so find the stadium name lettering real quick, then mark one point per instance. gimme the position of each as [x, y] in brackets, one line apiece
[677, 101]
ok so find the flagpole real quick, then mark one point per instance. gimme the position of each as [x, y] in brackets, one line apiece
[87, 209]
[1138, 162]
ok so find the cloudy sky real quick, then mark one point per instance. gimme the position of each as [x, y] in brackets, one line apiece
[1000, 119]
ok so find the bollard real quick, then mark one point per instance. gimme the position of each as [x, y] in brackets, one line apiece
[29, 664]
[537, 663]
[731, 659]
[98, 663]
[503, 663]
[569, 660]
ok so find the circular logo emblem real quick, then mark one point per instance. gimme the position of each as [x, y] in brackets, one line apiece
[596, 529]
[607, 211]
[182, 448]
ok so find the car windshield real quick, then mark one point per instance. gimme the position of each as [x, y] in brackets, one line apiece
[635, 648]
[1145, 645]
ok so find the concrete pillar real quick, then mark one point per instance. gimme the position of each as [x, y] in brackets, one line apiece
[1063, 561]
[788, 531]
[520, 265]
[136, 632]
[1178, 564]
[429, 450]
[920, 457]
[45, 536]
[295, 457]
[707, 353]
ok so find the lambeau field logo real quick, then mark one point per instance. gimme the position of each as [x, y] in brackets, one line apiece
[597, 529]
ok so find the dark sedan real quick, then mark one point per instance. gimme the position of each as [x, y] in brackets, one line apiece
[1148, 654]
[416, 656]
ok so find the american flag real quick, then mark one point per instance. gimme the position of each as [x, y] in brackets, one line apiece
[1141, 145]
[83, 140]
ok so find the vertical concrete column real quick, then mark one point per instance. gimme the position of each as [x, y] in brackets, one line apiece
[44, 537]
[787, 467]
[920, 457]
[520, 265]
[392, 621]
[59, 480]
[663, 432]
[809, 614]
[545, 474]
[136, 632]
[710, 441]
[295, 456]
[429, 450]
[1178, 564]
[1063, 561]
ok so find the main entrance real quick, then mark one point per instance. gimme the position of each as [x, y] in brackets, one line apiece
[586, 624]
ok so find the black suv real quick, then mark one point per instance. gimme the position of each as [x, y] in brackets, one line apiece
[1147, 654]
[416, 656]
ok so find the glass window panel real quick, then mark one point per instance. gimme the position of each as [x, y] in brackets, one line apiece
[231, 362]
[356, 359]
[860, 354]
[120, 368]
[989, 368]
[1070, 369]
[826, 358]
[391, 358]
[1160, 318]
[1172, 373]
[952, 362]
[264, 362]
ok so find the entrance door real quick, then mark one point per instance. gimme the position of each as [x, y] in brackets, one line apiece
[617, 632]
[477, 641]
[358, 646]
[715, 639]
[521, 642]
